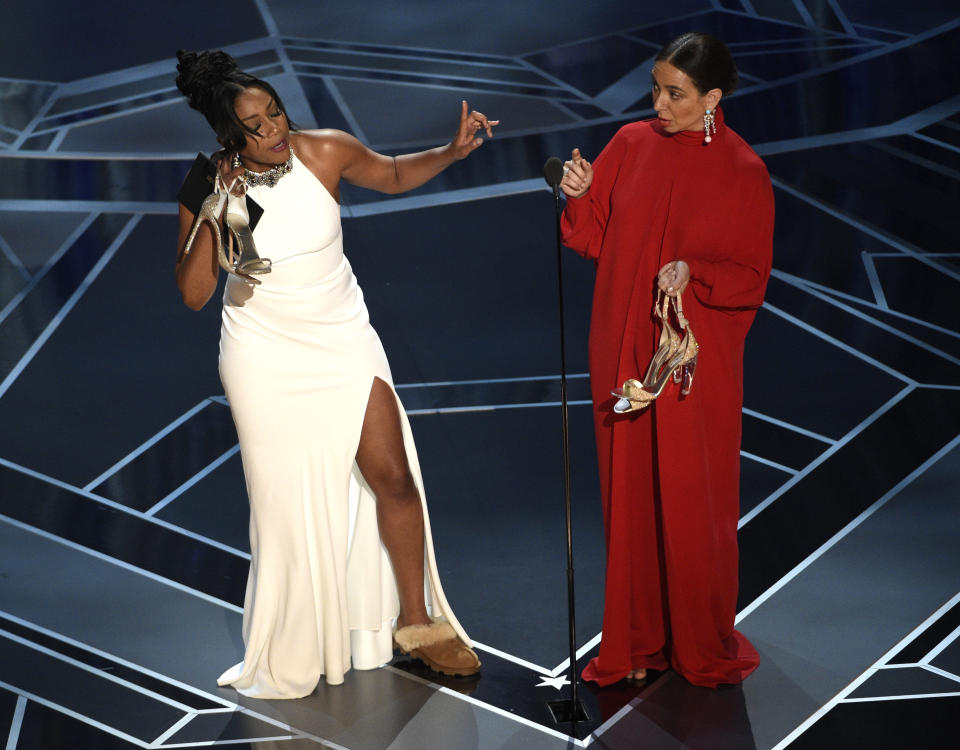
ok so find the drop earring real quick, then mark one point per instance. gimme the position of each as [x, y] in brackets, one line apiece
[709, 128]
[236, 163]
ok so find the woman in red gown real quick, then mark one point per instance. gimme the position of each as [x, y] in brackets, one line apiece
[667, 207]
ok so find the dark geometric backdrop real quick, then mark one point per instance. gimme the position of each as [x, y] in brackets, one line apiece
[123, 521]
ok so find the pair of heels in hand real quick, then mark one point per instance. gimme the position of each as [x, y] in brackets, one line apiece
[240, 254]
[675, 359]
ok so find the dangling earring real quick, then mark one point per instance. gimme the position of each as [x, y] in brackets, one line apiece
[236, 163]
[709, 128]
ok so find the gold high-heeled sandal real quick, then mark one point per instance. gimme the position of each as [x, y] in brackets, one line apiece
[679, 364]
[634, 395]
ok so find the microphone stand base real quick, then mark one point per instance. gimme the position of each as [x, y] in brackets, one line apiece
[563, 713]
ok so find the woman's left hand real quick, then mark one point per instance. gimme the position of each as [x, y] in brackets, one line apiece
[673, 278]
[466, 140]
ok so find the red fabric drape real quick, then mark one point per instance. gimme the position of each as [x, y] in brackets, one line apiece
[669, 475]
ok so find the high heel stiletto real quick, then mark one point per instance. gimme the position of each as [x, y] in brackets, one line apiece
[245, 261]
[633, 393]
[669, 339]
[676, 363]
[209, 211]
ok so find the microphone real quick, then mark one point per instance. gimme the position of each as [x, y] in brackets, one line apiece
[553, 171]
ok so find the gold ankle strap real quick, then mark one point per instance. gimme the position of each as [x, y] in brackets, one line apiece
[678, 307]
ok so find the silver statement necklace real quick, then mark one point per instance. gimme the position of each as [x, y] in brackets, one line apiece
[272, 176]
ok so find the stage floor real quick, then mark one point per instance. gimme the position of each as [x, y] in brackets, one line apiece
[123, 513]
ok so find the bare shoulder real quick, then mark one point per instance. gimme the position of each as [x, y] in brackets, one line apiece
[326, 146]
[328, 154]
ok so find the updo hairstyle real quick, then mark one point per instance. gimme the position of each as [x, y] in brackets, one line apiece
[705, 59]
[211, 82]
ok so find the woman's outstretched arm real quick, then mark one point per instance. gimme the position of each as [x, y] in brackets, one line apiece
[348, 158]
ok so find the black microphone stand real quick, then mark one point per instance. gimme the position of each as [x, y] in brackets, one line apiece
[572, 711]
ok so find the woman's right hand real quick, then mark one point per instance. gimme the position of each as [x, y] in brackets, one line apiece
[228, 173]
[577, 175]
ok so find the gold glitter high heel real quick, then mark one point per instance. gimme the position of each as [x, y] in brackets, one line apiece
[678, 366]
[635, 394]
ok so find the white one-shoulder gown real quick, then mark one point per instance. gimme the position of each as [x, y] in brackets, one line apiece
[298, 357]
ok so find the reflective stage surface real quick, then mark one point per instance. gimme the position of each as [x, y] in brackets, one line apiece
[123, 513]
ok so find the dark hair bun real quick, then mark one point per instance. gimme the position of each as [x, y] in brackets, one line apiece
[211, 82]
[705, 59]
[199, 74]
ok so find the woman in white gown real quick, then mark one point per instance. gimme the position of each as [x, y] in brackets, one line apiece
[339, 531]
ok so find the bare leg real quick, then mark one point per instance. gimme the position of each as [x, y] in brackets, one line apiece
[382, 459]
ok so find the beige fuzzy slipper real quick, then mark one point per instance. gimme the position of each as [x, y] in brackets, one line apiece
[437, 646]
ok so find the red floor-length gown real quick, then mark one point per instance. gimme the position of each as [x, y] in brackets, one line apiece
[669, 475]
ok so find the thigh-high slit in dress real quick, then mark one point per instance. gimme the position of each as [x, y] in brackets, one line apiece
[298, 358]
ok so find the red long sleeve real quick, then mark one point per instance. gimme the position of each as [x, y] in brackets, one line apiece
[739, 281]
[584, 219]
